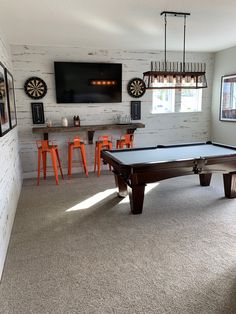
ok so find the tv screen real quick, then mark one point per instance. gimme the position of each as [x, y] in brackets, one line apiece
[82, 82]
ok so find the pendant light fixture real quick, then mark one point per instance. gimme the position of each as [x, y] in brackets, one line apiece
[171, 75]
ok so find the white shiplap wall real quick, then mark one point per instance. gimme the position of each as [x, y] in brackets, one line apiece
[10, 172]
[166, 128]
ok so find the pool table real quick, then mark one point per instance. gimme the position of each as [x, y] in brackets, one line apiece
[134, 168]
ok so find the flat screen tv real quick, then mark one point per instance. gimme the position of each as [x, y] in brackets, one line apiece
[82, 82]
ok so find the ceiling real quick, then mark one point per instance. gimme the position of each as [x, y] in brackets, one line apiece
[125, 24]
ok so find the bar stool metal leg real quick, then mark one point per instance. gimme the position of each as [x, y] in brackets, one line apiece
[99, 159]
[70, 154]
[59, 162]
[44, 155]
[83, 154]
[39, 165]
[54, 164]
[95, 158]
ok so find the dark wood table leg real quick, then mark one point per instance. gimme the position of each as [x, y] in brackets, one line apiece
[90, 137]
[122, 186]
[45, 136]
[230, 184]
[130, 131]
[136, 197]
[205, 179]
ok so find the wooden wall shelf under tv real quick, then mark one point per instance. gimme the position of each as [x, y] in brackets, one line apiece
[90, 129]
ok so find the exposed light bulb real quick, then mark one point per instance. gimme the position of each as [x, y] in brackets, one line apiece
[154, 81]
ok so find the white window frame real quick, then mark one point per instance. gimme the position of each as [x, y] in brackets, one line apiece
[175, 101]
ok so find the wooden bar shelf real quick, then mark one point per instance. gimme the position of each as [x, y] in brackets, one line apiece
[90, 129]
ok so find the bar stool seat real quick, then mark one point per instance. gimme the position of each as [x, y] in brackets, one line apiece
[76, 144]
[45, 147]
[103, 142]
[126, 140]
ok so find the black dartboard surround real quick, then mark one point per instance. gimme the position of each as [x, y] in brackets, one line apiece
[35, 87]
[136, 87]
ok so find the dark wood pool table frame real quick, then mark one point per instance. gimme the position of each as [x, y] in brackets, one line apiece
[136, 176]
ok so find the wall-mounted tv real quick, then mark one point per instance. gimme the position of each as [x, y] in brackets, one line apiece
[82, 82]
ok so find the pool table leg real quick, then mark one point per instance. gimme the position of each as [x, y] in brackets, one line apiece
[136, 197]
[205, 179]
[122, 185]
[230, 184]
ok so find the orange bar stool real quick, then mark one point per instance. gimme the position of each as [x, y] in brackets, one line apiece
[45, 147]
[126, 140]
[103, 142]
[76, 144]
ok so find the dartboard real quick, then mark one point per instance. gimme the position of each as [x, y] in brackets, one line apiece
[136, 87]
[35, 88]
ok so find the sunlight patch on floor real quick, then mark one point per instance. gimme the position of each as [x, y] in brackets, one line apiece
[95, 199]
[148, 188]
[89, 202]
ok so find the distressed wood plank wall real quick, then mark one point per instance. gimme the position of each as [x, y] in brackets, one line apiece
[10, 172]
[165, 128]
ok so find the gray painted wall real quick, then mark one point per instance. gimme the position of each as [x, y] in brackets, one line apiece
[222, 131]
[10, 172]
[163, 128]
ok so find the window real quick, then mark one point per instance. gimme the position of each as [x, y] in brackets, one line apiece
[163, 101]
[176, 100]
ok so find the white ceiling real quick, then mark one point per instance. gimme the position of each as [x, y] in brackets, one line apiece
[126, 24]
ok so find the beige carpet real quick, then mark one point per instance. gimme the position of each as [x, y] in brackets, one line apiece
[179, 256]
